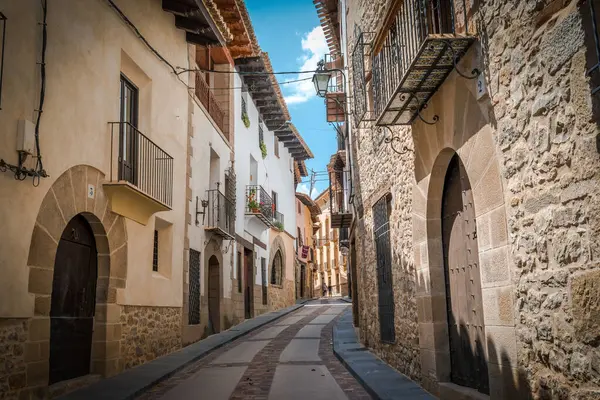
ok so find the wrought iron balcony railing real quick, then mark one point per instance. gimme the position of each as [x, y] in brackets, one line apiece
[278, 220]
[341, 216]
[259, 204]
[594, 28]
[360, 54]
[426, 40]
[141, 163]
[208, 100]
[220, 214]
[335, 99]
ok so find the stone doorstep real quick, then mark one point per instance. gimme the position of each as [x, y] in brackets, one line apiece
[134, 381]
[455, 392]
[379, 379]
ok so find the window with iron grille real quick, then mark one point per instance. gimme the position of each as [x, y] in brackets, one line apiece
[593, 32]
[263, 270]
[261, 136]
[383, 251]
[194, 288]
[155, 252]
[239, 272]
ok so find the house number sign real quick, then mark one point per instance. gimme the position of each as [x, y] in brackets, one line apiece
[91, 191]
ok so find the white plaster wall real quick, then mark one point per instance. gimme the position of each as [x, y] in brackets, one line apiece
[206, 136]
[85, 43]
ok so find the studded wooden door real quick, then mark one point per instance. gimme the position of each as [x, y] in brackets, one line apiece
[73, 302]
[463, 283]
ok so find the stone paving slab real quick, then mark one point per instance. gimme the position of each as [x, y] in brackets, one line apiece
[290, 320]
[215, 383]
[242, 353]
[301, 350]
[323, 319]
[132, 382]
[379, 379]
[269, 333]
[310, 331]
[302, 382]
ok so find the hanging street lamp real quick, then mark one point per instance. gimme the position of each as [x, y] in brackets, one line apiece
[321, 79]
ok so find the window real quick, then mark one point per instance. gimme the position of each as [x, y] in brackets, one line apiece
[381, 231]
[239, 272]
[155, 252]
[276, 146]
[263, 272]
[299, 207]
[277, 269]
[274, 196]
[127, 131]
[261, 137]
[194, 288]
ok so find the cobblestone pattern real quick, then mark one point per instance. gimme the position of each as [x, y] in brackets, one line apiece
[148, 333]
[13, 377]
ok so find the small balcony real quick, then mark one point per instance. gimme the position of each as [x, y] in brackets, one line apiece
[220, 215]
[259, 204]
[341, 217]
[422, 46]
[141, 174]
[208, 100]
[335, 99]
[320, 242]
[278, 220]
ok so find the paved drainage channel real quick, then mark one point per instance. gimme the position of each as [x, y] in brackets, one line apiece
[291, 358]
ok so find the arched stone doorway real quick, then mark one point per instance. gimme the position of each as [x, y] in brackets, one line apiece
[73, 302]
[214, 294]
[466, 328]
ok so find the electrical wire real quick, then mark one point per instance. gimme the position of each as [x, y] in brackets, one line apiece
[39, 164]
[280, 83]
[184, 70]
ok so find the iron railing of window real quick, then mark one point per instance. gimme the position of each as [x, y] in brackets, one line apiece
[278, 220]
[220, 213]
[338, 182]
[336, 83]
[141, 162]
[415, 21]
[359, 76]
[194, 288]
[594, 71]
[208, 100]
[341, 142]
[259, 203]
[3, 43]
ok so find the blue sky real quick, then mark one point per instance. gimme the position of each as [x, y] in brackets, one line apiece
[289, 31]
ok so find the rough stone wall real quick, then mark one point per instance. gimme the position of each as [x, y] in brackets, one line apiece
[547, 137]
[382, 171]
[544, 119]
[281, 296]
[148, 333]
[13, 371]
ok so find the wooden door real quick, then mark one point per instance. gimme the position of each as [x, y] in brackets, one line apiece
[385, 287]
[214, 295]
[73, 302]
[463, 283]
[249, 287]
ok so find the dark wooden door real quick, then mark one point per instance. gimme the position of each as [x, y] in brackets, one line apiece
[302, 280]
[214, 295]
[249, 287]
[463, 283]
[385, 288]
[73, 302]
[128, 131]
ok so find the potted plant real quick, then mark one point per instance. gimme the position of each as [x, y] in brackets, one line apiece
[278, 225]
[253, 205]
[263, 149]
[246, 120]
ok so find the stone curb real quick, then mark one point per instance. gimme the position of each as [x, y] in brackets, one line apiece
[133, 382]
[379, 379]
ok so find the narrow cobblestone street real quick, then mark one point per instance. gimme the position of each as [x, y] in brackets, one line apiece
[291, 358]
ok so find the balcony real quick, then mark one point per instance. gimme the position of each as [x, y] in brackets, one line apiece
[321, 242]
[341, 217]
[220, 215]
[423, 45]
[141, 174]
[278, 221]
[335, 99]
[208, 100]
[259, 204]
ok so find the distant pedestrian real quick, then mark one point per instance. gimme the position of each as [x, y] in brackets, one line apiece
[324, 288]
[330, 291]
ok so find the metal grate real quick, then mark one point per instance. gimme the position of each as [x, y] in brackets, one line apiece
[381, 230]
[194, 288]
[220, 213]
[155, 252]
[2, 43]
[594, 71]
[263, 270]
[359, 83]
[261, 135]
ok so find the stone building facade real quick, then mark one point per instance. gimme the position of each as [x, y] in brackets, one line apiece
[524, 136]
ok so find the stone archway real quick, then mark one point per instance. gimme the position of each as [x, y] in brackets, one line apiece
[463, 129]
[66, 198]
[277, 250]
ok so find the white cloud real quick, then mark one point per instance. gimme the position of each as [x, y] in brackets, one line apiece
[304, 188]
[314, 47]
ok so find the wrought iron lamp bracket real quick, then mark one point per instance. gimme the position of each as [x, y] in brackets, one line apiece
[474, 73]
[390, 140]
[418, 109]
[203, 212]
